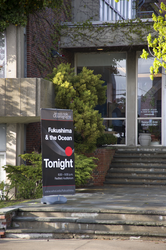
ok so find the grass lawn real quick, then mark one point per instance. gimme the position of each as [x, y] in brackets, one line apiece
[10, 203]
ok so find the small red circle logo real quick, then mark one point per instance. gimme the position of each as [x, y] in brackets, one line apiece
[68, 151]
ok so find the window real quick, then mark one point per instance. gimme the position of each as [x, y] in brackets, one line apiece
[112, 68]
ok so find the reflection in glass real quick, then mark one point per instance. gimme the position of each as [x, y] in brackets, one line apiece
[149, 91]
[112, 68]
[117, 128]
[153, 127]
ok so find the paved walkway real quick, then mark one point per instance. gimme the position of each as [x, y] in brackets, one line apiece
[18, 244]
[118, 198]
[134, 198]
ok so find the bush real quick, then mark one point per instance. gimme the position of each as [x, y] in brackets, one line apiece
[80, 93]
[27, 179]
[106, 139]
[4, 191]
[83, 168]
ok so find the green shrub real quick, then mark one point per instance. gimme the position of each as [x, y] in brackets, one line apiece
[27, 179]
[80, 93]
[4, 191]
[106, 139]
[83, 168]
[110, 139]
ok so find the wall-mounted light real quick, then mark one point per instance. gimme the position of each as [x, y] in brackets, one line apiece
[100, 49]
[55, 53]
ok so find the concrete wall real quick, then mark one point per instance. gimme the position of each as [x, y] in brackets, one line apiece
[85, 9]
[22, 98]
[15, 51]
[104, 36]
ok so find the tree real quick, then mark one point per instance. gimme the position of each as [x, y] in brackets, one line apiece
[157, 45]
[16, 12]
[81, 93]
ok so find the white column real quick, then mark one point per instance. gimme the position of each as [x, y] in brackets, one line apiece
[131, 99]
[15, 52]
[11, 144]
[163, 128]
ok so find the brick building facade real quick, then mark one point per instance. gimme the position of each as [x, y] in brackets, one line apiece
[42, 37]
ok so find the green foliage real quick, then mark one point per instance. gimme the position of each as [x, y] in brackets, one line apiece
[83, 168]
[16, 12]
[157, 44]
[27, 178]
[80, 93]
[4, 188]
[106, 139]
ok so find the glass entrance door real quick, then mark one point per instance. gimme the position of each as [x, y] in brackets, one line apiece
[112, 68]
[149, 102]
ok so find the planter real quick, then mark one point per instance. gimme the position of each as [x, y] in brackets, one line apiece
[144, 139]
[155, 143]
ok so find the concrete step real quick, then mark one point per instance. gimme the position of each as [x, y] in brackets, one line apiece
[135, 167]
[136, 177]
[82, 223]
[150, 171]
[141, 156]
[141, 152]
[142, 149]
[127, 182]
[53, 221]
[139, 160]
[111, 214]
[88, 224]
[138, 167]
[83, 234]
[140, 174]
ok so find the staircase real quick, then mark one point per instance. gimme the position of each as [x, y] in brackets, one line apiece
[101, 219]
[138, 166]
[83, 223]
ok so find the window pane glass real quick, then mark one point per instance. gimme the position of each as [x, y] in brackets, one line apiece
[149, 91]
[117, 128]
[112, 68]
[153, 127]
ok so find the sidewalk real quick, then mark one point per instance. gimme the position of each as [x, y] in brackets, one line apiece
[18, 244]
[107, 197]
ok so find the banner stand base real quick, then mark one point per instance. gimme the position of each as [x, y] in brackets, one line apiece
[52, 199]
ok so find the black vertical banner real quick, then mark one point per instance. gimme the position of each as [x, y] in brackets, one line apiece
[57, 151]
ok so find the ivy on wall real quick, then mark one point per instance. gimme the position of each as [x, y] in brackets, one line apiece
[16, 11]
[52, 26]
[43, 33]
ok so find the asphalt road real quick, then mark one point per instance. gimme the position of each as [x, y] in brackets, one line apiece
[74, 244]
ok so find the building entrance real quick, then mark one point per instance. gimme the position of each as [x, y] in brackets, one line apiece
[134, 101]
